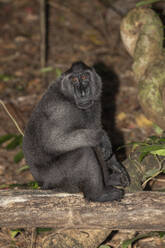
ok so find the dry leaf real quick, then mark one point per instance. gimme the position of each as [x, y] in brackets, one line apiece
[142, 121]
[121, 116]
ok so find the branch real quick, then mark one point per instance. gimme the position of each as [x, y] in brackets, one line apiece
[43, 32]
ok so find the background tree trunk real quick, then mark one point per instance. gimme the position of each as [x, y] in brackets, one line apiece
[142, 35]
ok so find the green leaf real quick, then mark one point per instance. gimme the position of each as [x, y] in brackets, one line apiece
[162, 140]
[33, 185]
[141, 3]
[134, 146]
[138, 143]
[161, 234]
[150, 173]
[160, 152]
[157, 129]
[15, 232]
[43, 229]
[23, 168]
[7, 186]
[150, 148]
[142, 156]
[5, 78]
[16, 185]
[47, 69]
[128, 242]
[58, 72]
[5, 138]
[154, 139]
[161, 190]
[15, 142]
[4, 186]
[18, 157]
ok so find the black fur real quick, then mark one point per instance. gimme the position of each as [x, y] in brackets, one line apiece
[61, 134]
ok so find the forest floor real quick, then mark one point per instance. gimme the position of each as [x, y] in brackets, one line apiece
[78, 30]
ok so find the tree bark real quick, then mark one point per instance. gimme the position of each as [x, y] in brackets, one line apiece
[142, 34]
[33, 208]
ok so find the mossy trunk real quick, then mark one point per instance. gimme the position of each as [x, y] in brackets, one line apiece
[142, 35]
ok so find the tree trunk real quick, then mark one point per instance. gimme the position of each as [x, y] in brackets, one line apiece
[142, 35]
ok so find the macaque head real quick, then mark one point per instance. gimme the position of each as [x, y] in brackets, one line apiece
[82, 84]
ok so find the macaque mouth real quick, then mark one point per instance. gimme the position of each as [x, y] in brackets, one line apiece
[85, 104]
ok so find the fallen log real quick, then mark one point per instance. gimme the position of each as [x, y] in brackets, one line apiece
[79, 223]
[34, 208]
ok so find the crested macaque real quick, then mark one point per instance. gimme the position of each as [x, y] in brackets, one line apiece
[62, 134]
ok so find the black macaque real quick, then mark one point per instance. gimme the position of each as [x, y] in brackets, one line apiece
[62, 133]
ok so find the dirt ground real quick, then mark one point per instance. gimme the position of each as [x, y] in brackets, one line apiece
[77, 30]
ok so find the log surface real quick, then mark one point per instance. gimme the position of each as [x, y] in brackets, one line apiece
[38, 208]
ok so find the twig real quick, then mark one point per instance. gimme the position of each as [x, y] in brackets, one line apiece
[33, 238]
[58, 6]
[11, 117]
[43, 31]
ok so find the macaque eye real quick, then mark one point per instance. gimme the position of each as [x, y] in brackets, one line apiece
[74, 79]
[84, 77]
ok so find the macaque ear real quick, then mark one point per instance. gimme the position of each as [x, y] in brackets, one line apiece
[65, 85]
